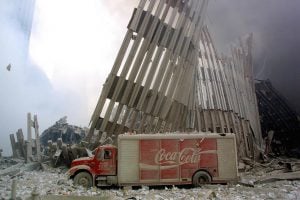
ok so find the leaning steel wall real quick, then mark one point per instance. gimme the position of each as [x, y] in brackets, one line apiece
[149, 85]
[168, 77]
[226, 94]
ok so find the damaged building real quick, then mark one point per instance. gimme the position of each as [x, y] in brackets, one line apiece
[69, 134]
[170, 93]
[168, 77]
[57, 144]
[277, 115]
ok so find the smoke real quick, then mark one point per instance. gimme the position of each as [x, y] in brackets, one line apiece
[121, 8]
[13, 83]
[61, 70]
[75, 44]
[26, 88]
[276, 28]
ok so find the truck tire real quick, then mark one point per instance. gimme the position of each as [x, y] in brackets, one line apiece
[84, 179]
[201, 178]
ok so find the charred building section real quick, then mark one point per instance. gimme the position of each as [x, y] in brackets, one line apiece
[276, 115]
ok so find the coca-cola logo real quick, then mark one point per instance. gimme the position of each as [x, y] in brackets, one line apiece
[186, 155]
[166, 159]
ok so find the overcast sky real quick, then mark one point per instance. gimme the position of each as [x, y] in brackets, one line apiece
[74, 44]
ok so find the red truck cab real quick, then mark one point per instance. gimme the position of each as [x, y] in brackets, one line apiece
[98, 167]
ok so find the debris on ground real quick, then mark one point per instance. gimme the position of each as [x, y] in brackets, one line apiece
[52, 183]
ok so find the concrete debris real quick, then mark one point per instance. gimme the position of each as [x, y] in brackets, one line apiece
[58, 144]
[241, 166]
[29, 149]
[279, 176]
[68, 134]
[47, 188]
[62, 145]
[14, 189]
[6, 162]
[45, 182]
[272, 171]
[8, 68]
[34, 194]
[11, 171]
[63, 154]
[19, 168]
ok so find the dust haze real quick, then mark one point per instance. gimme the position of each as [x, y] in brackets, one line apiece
[276, 28]
[25, 88]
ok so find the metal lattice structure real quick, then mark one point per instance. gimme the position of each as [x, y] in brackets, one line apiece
[226, 93]
[167, 77]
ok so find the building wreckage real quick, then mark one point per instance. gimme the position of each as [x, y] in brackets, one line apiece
[168, 77]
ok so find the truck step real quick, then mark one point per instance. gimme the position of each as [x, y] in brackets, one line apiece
[101, 178]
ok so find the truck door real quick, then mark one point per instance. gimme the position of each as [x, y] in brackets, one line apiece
[107, 162]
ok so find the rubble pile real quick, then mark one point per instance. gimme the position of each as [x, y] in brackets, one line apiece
[273, 170]
[60, 153]
[58, 144]
[6, 162]
[69, 134]
[53, 183]
[61, 143]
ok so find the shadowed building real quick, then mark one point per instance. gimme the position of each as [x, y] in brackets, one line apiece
[277, 115]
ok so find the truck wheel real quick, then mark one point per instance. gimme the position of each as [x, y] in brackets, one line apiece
[84, 179]
[201, 178]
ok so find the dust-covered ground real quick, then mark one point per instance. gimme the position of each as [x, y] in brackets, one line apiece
[49, 182]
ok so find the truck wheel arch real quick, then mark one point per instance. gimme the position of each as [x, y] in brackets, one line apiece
[79, 171]
[73, 171]
[201, 177]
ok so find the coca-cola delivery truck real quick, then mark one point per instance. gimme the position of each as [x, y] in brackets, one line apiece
[160, 159]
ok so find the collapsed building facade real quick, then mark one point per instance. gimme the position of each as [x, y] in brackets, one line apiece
[59, 144]
[29, 149]
[276, 115]
[168, 77]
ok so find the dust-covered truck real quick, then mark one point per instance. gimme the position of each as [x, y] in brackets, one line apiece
[160, 159]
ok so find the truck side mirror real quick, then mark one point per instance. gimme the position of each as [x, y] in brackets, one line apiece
[100, 155]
